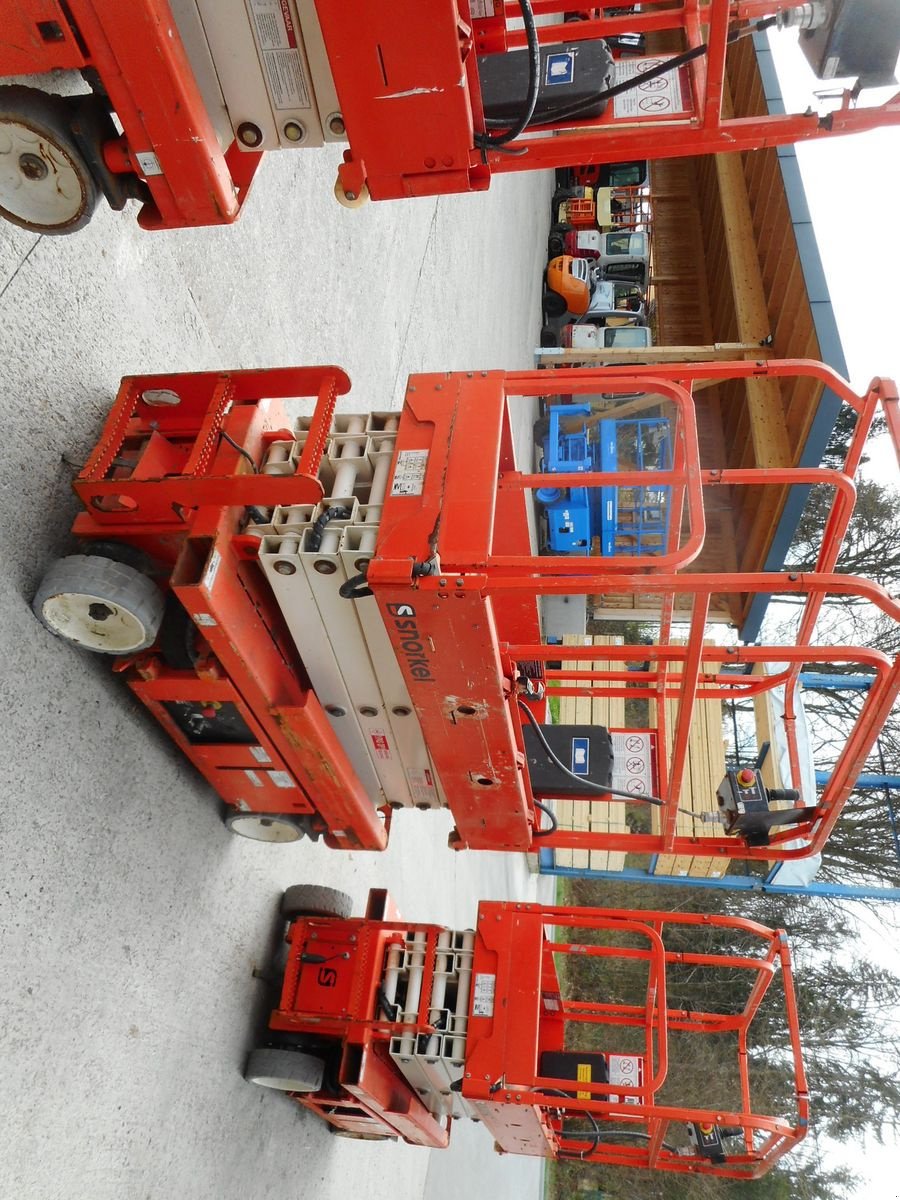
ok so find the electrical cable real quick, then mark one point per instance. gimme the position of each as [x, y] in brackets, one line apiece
[390, 1009]
[609, 1135]
[588, 784]
[485, 141]
[226, 437]
[581, 107]
[548, 812]
[601, 1135]
[565, 112]
[336, 513]
[595, 1128]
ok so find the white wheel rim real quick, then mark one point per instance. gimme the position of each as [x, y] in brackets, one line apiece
[94, 623]
[281, 1085]
[263, 828]
[39, 181]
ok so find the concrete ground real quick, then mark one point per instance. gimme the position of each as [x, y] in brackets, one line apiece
[130, 920]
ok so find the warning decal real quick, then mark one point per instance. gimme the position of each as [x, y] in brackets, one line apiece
[663, 96]
[421, 785]
[483, 1003]
[628, 1071]
[409, 473]
[276, 37]
[281, 779]
[380, 743]
[634, 764]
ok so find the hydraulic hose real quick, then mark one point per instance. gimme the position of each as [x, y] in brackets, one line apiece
[485, 141]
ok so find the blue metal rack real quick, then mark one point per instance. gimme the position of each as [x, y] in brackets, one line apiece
[627, 520]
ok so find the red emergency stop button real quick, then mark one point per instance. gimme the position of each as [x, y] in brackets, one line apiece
[746, 777]
[706, 1130]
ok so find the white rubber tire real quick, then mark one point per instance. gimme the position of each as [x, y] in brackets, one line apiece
[45, 184]
[100, 605]
[284, 1070]
[264, 827]
[344, 200]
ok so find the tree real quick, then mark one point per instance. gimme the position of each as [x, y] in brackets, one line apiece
[836, 451]
[872, 544]
[863, 847]
[851, 1042]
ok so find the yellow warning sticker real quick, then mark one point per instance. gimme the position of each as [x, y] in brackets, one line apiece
[584, 1076]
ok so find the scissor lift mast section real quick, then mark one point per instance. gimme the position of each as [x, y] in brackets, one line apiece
[401, 82]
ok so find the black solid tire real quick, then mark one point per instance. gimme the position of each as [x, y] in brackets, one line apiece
[314, 900]
[178, 636]
[549, 337]
[284, 1070]
[540, 431]
[554, 304]
[119, 552]
[564, 193]
[54, 151]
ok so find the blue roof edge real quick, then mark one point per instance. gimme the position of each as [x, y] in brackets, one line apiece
[825, 324]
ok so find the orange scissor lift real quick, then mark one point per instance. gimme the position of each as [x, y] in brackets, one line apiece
[391, 1028]
[481, 599]
[187, 96]
[339, 619]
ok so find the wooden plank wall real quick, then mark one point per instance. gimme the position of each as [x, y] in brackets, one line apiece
[790, 316]
[704, 770]
[695, 287]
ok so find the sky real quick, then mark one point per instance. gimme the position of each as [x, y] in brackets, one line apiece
[851, 188]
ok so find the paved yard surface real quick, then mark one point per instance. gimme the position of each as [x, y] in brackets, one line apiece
[130, 921]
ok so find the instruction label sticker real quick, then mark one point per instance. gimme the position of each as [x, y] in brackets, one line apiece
[664, 96]
[409, 473]
[281, 779]
[483, 1003]
[260, 754]
[212, 570]
[148, 162]
[276, 36]
[481, 8]
[253, 777]
[560, 68]
[421, 785]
